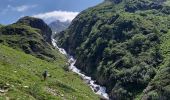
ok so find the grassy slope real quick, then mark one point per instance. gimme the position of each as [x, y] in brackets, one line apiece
[19, 70]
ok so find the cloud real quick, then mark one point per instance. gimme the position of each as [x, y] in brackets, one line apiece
[24, 8]
[21, 8]
[63, 16]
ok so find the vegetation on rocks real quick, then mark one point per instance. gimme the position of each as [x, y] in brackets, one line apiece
[30, 35]
[124, 45]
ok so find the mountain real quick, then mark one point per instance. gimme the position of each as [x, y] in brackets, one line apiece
[38, 24]
[30, 35]
[58, 26]
[124, 45]
[25, 53]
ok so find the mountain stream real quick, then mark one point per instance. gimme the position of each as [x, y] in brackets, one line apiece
[99, 90]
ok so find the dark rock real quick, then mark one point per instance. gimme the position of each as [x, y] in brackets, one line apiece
[96, 88]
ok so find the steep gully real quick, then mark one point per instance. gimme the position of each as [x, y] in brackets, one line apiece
[99, 90]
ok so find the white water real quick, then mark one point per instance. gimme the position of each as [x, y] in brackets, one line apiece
[99, 90]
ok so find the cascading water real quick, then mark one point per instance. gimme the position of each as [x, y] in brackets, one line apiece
[99, 90]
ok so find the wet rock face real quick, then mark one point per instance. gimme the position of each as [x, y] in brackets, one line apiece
[39, 24]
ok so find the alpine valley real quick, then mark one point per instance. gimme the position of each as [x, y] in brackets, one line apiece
[117, 50]
[26, 51]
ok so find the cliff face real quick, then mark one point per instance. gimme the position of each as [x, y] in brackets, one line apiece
[30, 35]
[124, 45]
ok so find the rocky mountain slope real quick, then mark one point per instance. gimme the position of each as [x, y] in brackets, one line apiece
[124, 45]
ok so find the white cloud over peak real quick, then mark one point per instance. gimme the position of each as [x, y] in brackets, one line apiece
[57, 15]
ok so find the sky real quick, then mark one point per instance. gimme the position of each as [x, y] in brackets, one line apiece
[48, 10]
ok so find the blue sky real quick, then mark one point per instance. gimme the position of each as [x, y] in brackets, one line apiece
[49, 10]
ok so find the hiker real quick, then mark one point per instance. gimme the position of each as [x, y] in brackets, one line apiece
[44, 74]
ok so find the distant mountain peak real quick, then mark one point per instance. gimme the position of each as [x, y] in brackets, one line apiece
[58, 26]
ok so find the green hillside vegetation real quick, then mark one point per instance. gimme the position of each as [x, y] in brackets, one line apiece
[30, 35]
[20, 79]
[1, 25]
[124, 45]
[37, 23]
